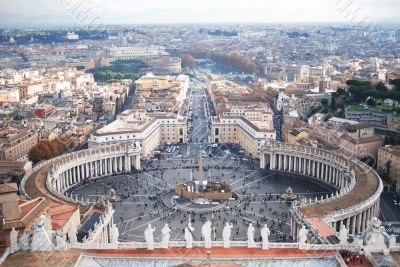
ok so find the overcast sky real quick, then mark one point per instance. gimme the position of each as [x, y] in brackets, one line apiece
[195, 11]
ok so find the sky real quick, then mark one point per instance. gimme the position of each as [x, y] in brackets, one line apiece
[80, 12]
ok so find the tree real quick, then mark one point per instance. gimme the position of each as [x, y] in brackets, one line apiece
[339, 103]
[396, 83]
[341, 92]
[48, 149]
[324, 103]
[381, 87]
[188, 61]
[371, 102]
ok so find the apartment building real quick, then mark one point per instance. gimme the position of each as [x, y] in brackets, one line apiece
[147, 130]
[240, 130]
[389, 163]
[161, 93]
[15, 144]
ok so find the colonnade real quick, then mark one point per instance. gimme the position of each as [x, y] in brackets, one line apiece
[322, 169]
[92, 164]
[332, 169]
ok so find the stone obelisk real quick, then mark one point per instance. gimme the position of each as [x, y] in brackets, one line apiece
[201, 173]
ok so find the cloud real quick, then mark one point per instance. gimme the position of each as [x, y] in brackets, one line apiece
[170, 11]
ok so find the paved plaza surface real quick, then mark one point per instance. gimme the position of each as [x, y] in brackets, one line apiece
[143, 196]
[147, 196]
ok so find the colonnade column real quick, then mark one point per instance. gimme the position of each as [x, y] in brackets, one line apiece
[129, 163]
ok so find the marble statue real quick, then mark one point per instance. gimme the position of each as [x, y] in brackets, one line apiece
[165, 231]
[375, 238]
[114, 234]
[41, 241]
[14, 240]
[226, 235]
[47, 225]
[343, 234]
[206, 232]
[72, 232]
[60, 241]
[250, 236]
[265, 232]
[302, 235]
[148, 235]
[24, 241]
[188, 235]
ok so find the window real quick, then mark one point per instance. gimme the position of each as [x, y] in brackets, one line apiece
[216, 131]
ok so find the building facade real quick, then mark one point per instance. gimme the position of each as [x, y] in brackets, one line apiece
[240, 130]
[135, 126]
[389, 163]
[15, 144]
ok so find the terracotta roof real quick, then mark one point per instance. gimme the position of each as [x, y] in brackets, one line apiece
[29, 211]
[61, 213]
[353, 127]
[321, 226]
[70, 257]
[363, 140]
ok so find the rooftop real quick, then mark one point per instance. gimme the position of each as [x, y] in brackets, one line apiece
[366, 185]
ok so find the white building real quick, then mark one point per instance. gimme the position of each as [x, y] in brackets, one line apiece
[135, 126]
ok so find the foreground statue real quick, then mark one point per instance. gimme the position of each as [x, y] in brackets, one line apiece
[148, 235]
[226, 235]
[165, 236]
[188, 235]
[265, 232]
[72, 232]
[302, 235]
[250, 236]
[13, 240]
[206, 232]
[41, 241]
[24, 241]
[343, 234]
[114, 234]
[60, 241]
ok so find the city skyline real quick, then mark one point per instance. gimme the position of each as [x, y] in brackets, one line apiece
[72, 12]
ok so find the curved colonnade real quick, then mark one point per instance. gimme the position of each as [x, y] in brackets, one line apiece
[71, 169]
[359, 187]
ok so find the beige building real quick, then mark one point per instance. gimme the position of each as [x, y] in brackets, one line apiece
[389, 163]
[393, 123]
[361, 141]
[358, 140]
[15, 144]
[161, 93]
[239, 130]
[147, 130]
[243, 116]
